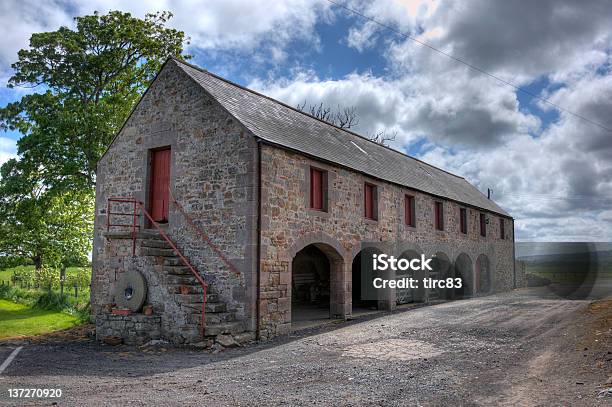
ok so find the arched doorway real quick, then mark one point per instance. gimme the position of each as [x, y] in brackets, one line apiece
[316, 280]
[463, 270]
[310, 284]
[442, 268]
[408, 295]
[482, 280]
[364, 295]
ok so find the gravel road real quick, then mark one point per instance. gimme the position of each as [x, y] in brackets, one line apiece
[509, 349]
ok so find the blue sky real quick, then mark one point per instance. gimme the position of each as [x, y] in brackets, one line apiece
[441, 111]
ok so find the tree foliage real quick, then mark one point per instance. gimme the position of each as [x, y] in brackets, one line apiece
[86, 81]
[45, 227]
[89, 80]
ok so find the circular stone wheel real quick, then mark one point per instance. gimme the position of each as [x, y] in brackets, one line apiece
[131, 291]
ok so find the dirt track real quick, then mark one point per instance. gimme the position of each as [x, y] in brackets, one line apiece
[509, 349]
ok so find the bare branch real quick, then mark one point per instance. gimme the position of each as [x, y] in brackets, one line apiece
[381, 137]
[345, 118]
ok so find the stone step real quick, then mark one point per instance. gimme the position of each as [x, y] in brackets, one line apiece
[231, 328]
[180, 279]
[154, 251]
[174, 261]
[176, 269]
[186, 289]
[196, 306]
[193, 290]
[212, 318]
[162, 244]
[151, 234]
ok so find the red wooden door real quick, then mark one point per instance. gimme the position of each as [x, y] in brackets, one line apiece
[160, 185]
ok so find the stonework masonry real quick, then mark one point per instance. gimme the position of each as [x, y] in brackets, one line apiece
[132, 329]
[212, 176]
[215, 177]
[288, 225]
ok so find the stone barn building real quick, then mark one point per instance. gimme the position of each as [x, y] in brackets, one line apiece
[209, 184]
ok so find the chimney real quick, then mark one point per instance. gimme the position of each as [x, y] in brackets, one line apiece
[489, 193]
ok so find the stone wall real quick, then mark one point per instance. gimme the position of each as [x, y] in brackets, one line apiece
[135, 329]
[521, 274]
[213, 177]
[288, 225]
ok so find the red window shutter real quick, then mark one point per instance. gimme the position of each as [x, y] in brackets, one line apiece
[439, 216]
[483, 225]
[409, 210]
[436, 215]
[463, 220]
[368, 201]
[316, 189]
[502, 232]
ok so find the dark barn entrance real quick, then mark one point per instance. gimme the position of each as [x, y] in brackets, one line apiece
[310, 285]
[364, 296]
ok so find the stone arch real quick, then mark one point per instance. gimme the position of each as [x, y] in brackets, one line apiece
[323, 241]
[465, 271]
[482, 278]
[441, 268]
[374, 246]
[363, 294]
[318, 277]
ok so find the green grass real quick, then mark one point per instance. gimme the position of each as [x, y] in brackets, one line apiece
[20, 320]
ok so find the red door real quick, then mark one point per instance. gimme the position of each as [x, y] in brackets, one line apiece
[160, 185]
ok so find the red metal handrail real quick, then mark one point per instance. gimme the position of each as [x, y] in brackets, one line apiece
[165, 237]
[203, 235]
[134, 225]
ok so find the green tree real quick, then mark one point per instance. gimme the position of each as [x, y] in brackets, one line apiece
[89, 78]
[86, 81]
[44, 226]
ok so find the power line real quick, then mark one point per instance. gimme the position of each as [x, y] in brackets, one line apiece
[559, 198]
[474, 67]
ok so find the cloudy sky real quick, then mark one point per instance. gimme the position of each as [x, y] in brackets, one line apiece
[550, 170]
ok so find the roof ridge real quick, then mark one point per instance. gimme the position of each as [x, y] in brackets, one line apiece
[198, 68]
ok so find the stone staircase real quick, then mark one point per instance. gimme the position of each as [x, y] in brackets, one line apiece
[187, 292]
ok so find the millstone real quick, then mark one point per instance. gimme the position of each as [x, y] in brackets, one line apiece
[131, 290]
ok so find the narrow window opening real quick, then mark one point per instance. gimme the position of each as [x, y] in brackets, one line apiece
[318, 189]
[439, 215]
[463, 220]
[370, 200]
[409, 211]
[483, 225]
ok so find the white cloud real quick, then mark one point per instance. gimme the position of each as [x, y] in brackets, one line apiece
[211, 24]
[556, 181]
[8, 149]
[19, 19]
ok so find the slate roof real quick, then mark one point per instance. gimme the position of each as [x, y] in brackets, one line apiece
[282, 125]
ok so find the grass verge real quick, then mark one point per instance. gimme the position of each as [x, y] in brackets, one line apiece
[19, 320]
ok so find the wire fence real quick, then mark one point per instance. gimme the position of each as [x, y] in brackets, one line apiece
[63, 289]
